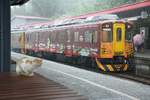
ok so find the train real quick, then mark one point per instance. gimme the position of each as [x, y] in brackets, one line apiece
[107, 43]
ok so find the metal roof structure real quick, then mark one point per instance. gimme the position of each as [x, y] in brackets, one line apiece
[122, 8]
[29, 17]
[17, 2]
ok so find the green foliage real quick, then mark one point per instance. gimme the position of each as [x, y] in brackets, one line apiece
[63, 8]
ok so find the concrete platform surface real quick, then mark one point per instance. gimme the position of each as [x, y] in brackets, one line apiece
[95, 86]
[145, 54]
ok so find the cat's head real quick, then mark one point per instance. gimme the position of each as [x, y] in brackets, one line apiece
[37, 62]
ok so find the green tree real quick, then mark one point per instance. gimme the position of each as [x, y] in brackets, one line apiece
[63, 8]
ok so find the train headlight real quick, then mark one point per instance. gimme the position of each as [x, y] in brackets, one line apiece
[125, 61]
[128, 26]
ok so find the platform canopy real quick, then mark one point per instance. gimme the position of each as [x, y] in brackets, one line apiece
[17, 2]
[128, 10]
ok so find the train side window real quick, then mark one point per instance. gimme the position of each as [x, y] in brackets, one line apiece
[37, 36]
[88, 36]
[94, 37]
[68, 36]
[61, 36]
[76, 36]
[53, 36]
[119, 34]
[27, 38]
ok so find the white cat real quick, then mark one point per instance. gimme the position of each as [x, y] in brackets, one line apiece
[26, 66]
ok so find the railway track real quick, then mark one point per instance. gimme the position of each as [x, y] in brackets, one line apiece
[140, 74]
[130, 75]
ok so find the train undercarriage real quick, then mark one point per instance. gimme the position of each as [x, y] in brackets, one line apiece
[116, 64]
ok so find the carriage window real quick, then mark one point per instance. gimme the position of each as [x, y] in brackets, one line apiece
[119, 34]
[94, 40]
[88, 36]
[69, 36]
[53, 36]
[37, 36]
[27, 38]
[107, 35]
[61, 36]
[76, 36]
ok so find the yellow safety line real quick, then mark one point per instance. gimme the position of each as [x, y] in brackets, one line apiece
[126, 67]
[100, 65]
[110, 67]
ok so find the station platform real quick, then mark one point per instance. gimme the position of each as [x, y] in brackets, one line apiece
[142, 60]
[145, 54]
[92, 85]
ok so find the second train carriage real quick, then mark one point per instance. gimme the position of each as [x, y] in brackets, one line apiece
[18, 40]
[107, 42]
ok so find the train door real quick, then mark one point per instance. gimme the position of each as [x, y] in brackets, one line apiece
[118, 39]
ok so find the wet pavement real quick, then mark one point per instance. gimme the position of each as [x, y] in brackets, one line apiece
[144, 54]
[95, 86]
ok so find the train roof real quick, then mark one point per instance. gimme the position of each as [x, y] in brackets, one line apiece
[91, 21]
[81, 25]
[17, 30]
[64, 22]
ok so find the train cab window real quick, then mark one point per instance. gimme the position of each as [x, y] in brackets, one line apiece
[107, 35]
[119, 34]
[128, 35]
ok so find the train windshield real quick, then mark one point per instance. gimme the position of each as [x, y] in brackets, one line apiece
[128, 34]
[107, 35]
[119, 34]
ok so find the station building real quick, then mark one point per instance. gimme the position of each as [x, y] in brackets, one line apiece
[17, 21]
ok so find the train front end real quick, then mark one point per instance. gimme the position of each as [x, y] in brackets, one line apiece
[113, 55]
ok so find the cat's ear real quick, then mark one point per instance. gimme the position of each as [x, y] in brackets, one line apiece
[41, 60]
[38, 60]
